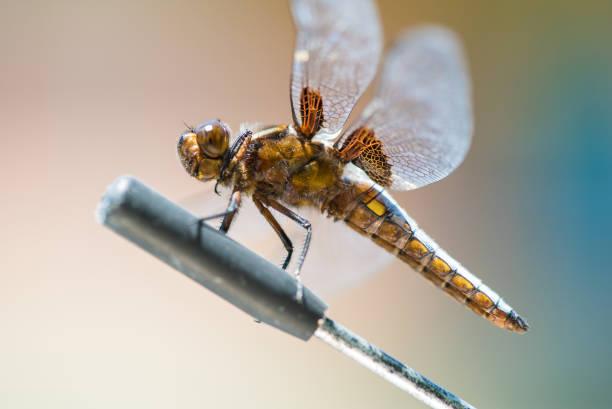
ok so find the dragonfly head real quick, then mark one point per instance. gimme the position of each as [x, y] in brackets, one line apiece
[202, 149]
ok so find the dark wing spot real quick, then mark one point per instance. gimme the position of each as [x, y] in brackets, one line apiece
[365, 151]
[311, 112]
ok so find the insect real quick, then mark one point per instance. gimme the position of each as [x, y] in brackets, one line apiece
[415, 131]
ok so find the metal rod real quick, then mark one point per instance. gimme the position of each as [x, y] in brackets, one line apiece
[388, 367]
[248, 281]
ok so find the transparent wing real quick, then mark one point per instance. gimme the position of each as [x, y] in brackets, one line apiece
[422, 110]
[331, 266]
[337, 49]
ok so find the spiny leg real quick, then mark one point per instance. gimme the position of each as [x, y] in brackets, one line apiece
[277, 228]
[228, 214]
[242, 138]
[302, 222]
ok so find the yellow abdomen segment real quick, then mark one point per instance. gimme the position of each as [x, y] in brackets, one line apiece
[371, 211]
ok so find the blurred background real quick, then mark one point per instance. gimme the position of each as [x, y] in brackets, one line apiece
[93, 90]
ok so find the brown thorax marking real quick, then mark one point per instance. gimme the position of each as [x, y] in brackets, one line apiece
[311, 112]
[364, 150]
[282, 164]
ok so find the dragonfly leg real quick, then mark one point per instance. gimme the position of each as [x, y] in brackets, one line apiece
[277, 228]
[302, 222]
[228, 214]
[244, 137]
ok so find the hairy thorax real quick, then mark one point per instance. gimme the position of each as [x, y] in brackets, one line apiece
[277, 163]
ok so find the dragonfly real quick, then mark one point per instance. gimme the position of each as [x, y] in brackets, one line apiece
[415, 131]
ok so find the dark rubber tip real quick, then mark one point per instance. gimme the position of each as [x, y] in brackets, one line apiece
[206, 255]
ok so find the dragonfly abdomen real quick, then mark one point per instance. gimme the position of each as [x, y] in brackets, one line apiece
[375, 214]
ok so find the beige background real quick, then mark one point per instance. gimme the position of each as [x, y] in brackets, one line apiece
[92, 90]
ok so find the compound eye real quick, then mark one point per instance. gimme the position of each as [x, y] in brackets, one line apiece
[213, 138]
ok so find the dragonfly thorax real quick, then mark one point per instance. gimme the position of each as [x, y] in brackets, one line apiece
[279, 163]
